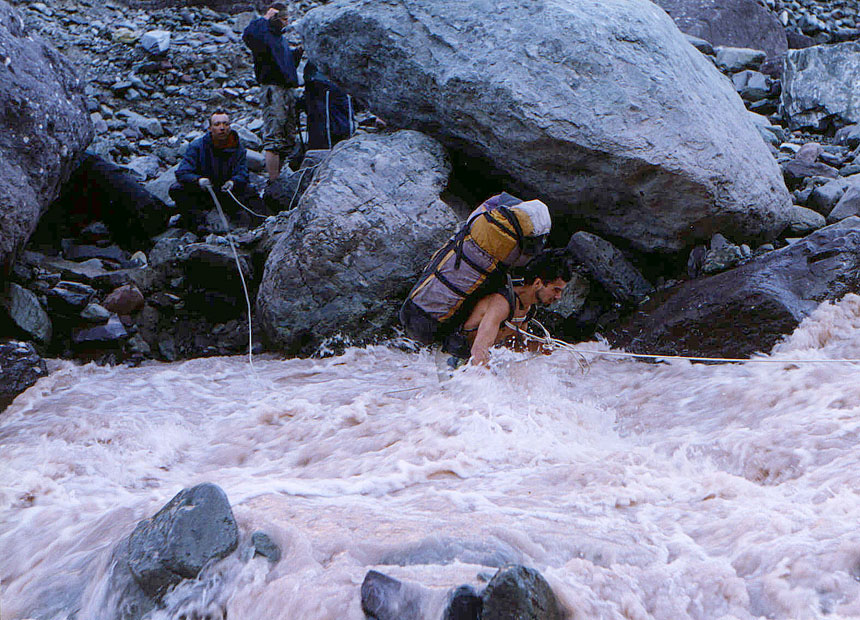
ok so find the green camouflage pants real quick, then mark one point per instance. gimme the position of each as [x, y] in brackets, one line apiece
[279, 119]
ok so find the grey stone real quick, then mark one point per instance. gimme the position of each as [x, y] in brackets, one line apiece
[751, 85]
[266, 547]
[46, 129]
[522, 593]
[464, 603]
[360, 236]
[848, 205]
[194, 528]
[145, 166]
[821, 86]
[249, 139]
[734, 59]
[849, 135]
[94, 313]
[824, 197]
[804, 221]
[730, 23]
[149, 126]
[160, 187]
[69, 298]
[109, 333]
[386, 598]
[27, 314]
[721, 255]
[607, 265]
[569, 100]
[156, 42]
[20, 367]
[700, 44]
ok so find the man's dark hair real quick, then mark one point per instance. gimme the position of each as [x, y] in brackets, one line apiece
[224, 112]
[548, 266]
[278, 6]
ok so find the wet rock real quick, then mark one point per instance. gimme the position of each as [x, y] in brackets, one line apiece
[111, 333]
[195, 528]
[464, 603]
[522, 593]
[124, 300]
[361, 235]
[47, 127]
[266, 547]
[749, 308]
[662, 187]
[821, 86]
[607, 265]
[69, 298]
[26, 313]
[386, 598]
[797, 171]
[212, 279]
[21, 367]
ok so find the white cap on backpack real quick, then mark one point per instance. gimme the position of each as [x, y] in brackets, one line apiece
[539, 215]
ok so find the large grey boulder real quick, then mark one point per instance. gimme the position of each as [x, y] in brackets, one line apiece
[733, 23]
[821, 86]
[360, 236]
[601, 109]
[26, 313]
[748, 309]
[45, 128]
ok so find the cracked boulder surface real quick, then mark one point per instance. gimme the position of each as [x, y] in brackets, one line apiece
[359, 238]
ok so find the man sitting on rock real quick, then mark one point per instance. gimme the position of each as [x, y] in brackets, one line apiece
[540, 282]
[215, 160]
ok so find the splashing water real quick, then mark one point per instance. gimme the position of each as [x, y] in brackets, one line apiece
[639, 490]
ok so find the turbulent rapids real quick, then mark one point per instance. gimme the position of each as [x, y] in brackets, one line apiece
[639, 490]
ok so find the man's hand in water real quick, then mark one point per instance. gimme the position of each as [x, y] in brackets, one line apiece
[203, 182]
[480, 357]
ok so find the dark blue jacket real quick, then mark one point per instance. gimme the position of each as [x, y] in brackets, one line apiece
[274, 61]
[201, 160]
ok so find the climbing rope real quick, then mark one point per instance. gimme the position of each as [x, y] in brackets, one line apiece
[233, 196]
[241, 275]
[554, 343]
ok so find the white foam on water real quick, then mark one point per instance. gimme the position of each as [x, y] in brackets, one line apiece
[640, 490]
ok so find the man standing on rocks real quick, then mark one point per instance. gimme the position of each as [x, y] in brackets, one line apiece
[215, 160]
[275, 69]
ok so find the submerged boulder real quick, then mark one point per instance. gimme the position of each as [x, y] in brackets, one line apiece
[821, 86]
[520, 592]
[749, 309]
[357, 241]
[46, 128]
[601, 109]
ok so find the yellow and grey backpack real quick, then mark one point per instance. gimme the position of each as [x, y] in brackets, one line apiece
[503, 232]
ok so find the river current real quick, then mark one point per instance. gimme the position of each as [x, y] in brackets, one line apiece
[639, 490]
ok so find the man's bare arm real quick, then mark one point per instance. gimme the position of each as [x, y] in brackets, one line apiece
[488, 330]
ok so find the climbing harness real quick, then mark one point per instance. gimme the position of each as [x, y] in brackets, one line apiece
[239, 267]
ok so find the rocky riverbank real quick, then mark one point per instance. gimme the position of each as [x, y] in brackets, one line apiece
[698, 162]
